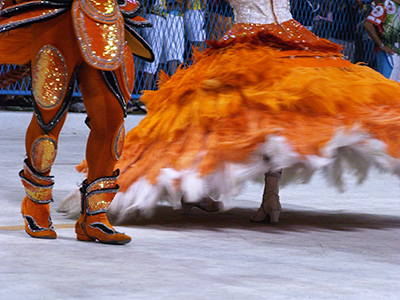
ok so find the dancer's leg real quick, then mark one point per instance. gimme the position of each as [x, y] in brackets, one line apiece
[270, 208]
[104, 144]
[54, 57]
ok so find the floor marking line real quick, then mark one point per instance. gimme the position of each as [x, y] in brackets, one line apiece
[22, 227]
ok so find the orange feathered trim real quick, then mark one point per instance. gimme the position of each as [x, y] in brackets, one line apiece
[221, 109]
[162, 78]
[82, 167]
[15, 46]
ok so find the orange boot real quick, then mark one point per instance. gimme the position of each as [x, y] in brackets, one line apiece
[93, 223]
[35, 206]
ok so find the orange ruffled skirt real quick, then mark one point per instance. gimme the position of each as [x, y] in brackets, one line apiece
[275, 98]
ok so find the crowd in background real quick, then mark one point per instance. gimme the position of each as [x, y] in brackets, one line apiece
[180, 25]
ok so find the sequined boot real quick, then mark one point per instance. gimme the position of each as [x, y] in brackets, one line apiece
[35, 207]
[93, 224]
[270, 208]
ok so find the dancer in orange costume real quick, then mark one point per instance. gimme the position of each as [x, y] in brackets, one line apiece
[269, 96]
[91, 42]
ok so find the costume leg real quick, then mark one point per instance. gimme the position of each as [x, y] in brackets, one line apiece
[384, 63]
[396, 68]
[35, 207]
[175, 43]
[270, 208]
[52, 72]
[104, 147]
[155, 37]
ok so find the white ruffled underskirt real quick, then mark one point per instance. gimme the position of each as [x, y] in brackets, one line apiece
[352, 152]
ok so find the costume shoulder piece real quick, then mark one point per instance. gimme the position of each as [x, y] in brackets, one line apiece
[13, 16]
[101, 26]
[130, 9]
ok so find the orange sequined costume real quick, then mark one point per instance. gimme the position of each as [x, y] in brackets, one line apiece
[90, 41]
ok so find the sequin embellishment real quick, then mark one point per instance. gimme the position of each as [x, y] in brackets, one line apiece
[119, 142]
[49, 77]
[44, 152]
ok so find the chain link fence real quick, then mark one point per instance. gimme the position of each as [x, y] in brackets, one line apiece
[178, 28]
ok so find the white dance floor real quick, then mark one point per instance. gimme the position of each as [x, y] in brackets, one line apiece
[327, 246]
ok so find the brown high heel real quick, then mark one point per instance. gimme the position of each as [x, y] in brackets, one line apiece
[207, 204]
[270, 208]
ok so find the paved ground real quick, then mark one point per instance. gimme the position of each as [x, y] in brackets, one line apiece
[327, 246]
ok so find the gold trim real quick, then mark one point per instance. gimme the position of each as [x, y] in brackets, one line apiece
[22, 227]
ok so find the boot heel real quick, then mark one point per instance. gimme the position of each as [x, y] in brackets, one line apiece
[84, 238]
[81, 235]
[274, 216]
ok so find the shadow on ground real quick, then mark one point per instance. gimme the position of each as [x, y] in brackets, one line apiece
[239, 218]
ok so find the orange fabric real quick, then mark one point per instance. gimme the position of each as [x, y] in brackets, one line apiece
[15, 46]
[101, 35]
[53, 32]
[40, 214]
[103, 40]
[102, 108]
[222, 108]
[106, 115]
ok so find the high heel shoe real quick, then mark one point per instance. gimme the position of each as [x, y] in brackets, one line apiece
[207, 204]
[270, 208]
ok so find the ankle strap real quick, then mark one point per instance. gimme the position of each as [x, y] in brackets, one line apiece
[38, 188]
[100, 193]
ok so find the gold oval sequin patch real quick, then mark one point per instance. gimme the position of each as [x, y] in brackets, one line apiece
[49, 77]
[44, 151]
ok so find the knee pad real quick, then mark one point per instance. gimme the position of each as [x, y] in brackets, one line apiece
[38, 188]
[118, 142]
[43, 153]
[50, 86]
[49, 77]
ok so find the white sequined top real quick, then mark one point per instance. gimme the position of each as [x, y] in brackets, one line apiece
[261, 11]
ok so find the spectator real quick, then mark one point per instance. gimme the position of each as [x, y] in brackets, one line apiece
[383, 26]
[194, 18]
[323, 21]
[345, 19]
[364, 47]
[220, 18]
[304, 12]
[166, 37]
